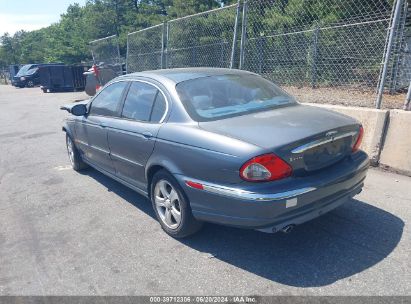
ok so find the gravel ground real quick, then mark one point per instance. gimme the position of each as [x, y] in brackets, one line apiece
[341, 96]
[66, 233]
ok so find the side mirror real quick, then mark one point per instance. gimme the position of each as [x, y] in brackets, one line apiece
[79, 110]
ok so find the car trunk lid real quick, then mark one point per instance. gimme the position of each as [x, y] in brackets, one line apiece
[308, 138]
[319, 151]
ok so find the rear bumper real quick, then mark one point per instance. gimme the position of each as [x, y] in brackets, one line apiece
[272, 206]
[317, 209]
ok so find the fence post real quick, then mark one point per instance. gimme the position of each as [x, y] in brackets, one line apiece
[164, 41]
[92, 53]
[388, 53]
[234, 45]
[314, 58]
[408, 100]
[399, 43]
[120, 61]
[166, 51]
[243, 34]
[127, 54]
[260, 51]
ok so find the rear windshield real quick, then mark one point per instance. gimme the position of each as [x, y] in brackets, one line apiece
[223, 96]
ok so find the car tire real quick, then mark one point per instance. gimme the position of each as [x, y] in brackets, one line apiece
[74, 155]
[44, 90]
[30, 84]
[172, 207]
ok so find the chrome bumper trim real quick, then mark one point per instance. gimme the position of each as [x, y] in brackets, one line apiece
[248, 195]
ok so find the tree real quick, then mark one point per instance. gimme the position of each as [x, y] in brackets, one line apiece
[181, 8]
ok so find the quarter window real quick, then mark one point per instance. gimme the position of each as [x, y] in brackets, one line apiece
[107, 101]
[159, 108]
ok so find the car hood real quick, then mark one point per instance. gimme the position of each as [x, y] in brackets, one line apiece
[281, 126]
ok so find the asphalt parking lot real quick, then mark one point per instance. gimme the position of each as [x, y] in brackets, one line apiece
[66, 233]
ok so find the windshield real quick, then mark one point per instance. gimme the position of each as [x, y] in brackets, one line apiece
[23, 71]
[222, 96]
[32, 71]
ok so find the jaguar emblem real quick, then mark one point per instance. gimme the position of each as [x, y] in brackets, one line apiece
[331, 134]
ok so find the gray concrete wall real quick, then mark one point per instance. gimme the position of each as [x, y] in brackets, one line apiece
[396, 151]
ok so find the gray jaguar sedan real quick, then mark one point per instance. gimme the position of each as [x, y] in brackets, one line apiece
[218, 145]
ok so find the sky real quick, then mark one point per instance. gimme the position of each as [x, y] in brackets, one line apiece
[30, 15]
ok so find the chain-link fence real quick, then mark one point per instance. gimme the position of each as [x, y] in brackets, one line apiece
[403, 71]
[145, 49]
[333, 56]
[106, 52]
[327, 51]
[317, 44]
[204, 39]
[4, 75]
[397, 70]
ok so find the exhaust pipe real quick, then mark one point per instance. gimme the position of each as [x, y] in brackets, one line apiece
[287, 229]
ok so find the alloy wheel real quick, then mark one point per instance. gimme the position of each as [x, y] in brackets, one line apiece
[167, 203]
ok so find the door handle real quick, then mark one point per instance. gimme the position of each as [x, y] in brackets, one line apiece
[147, 134]
[103, 124]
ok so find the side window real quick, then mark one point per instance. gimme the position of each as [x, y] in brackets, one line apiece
[159, 108]
[139, 101]
[107, 102]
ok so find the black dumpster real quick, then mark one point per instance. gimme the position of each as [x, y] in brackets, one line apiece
[58, 78]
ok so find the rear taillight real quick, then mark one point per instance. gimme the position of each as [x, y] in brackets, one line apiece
[267, 167]
[358, 140]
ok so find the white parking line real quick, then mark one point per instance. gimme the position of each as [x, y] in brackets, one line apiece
[61, 168]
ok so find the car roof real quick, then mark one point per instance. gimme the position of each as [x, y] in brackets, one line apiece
[182, 74]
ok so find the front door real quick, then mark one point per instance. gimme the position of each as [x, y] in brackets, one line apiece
[92, 129]
[132, 138]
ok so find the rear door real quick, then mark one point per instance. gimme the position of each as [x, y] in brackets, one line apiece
[132, 138]
[91, 130]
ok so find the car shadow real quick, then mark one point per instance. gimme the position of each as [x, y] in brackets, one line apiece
[341, 243]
